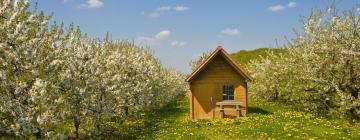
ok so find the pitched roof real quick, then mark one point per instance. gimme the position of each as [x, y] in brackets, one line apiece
[222, 52]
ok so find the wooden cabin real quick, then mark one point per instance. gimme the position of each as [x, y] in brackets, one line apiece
[218, 88]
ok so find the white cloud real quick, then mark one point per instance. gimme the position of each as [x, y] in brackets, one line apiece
[145, 40]
[166, 9]
[279, 7]
[230, 32]
[180, 8]
[153, 40]
[162, 34]
[155, 14]
[178, 43]
[276, 8]
[292, 4]
[92, 4]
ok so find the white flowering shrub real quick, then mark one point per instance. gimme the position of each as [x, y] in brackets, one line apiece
[319, 71]
[28, 68]
[112, 81]
[62, 84]
[197, 62]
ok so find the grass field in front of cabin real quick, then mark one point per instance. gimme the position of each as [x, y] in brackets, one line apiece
[265, 121]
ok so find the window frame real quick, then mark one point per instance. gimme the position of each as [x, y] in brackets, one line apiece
[228, 91]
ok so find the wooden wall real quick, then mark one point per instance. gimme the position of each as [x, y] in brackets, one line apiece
[209, 84]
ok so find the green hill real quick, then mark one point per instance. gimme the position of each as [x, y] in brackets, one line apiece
[244, 56]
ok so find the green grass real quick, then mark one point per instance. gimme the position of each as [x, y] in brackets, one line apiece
[265, 121]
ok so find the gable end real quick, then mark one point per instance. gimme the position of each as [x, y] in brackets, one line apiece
[219, 51]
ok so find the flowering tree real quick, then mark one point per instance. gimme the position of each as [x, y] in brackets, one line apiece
[320, 70]
[51, 78]
[196, 63]
[28, 71]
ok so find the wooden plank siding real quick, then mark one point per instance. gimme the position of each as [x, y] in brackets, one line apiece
[208, 84]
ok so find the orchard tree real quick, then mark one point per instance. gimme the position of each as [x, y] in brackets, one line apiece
[320, 71]
[56, 83]
[28, 71]
[196, 63]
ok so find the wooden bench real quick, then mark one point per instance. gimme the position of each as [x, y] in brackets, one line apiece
[229, 103]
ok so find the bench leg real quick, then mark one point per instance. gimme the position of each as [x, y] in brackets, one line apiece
[221, 111]
[237, 111]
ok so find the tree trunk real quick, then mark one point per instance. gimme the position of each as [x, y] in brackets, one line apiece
[98, 114]
[353, 111]
[276, 95]
[38, 134]
[354, 91]
[126, 109]
[76, 124]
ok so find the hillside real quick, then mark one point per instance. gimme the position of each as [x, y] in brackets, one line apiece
[244, 56]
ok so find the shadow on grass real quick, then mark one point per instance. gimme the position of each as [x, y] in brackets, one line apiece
[154, 121]
[258, 110]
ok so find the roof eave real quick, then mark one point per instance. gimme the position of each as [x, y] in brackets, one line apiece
[238, 68]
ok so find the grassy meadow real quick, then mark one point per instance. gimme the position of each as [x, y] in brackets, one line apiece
[265, 121]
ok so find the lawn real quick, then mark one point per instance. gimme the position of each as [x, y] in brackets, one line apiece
[265, 121]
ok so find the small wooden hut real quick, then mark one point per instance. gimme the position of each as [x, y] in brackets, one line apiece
[218, 88]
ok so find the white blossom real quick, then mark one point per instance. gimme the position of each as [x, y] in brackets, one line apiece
[54, 78]
[319, 70]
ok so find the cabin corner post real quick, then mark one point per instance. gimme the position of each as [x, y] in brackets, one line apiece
[191, 100]
[192, 106]
[247, 104]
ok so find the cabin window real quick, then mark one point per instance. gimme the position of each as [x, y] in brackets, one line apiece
[228, 92]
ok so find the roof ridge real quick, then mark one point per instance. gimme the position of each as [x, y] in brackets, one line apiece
[238, 68]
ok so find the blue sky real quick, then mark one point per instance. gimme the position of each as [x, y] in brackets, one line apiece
[178, 31]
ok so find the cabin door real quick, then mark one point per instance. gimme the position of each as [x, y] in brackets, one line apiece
[204, 101]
